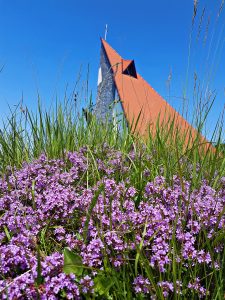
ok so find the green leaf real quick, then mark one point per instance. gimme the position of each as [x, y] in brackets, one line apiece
[220, 237]
[90, 209]
[72, 263]
[103, 284]
[33, 193]
[7, 233]
[40, 278]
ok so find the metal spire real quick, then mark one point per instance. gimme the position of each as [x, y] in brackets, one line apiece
[106, 31]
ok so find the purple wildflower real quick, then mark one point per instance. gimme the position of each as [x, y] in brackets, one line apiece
[167, 287]
[141, 285]
[87, 285]
[196, 286]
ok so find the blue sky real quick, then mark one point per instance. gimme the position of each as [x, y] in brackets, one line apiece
[45, 44]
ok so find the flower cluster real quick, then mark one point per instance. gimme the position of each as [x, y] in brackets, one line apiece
[141, 285]
[55, 282]
[48, 205]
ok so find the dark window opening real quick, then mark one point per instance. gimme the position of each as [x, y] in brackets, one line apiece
[129, 68]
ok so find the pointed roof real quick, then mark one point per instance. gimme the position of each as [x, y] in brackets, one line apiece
[139, 100]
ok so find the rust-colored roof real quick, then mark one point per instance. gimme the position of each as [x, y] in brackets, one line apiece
[138, 96]
[125, 64]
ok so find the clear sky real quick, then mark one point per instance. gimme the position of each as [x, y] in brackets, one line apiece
[45, 43]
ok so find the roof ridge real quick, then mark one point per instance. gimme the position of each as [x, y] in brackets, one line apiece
[104, 42]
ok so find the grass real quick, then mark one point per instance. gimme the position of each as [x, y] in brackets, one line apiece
[26, 136]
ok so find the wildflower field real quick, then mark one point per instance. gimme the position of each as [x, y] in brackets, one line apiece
[87, 212]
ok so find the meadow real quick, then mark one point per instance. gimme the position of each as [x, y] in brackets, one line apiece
[90, 212]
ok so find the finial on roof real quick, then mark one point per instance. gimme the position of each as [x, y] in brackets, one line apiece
[106, 31]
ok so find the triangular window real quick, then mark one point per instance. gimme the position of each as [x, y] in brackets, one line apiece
[128, 68]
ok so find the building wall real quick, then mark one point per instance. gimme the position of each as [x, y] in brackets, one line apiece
[106, 89]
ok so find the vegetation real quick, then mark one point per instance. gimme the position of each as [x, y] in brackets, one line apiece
[132, 218]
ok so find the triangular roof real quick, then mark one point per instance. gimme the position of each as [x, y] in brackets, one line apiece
[139, 99]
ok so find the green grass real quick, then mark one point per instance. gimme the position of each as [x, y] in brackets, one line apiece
[26, 135]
